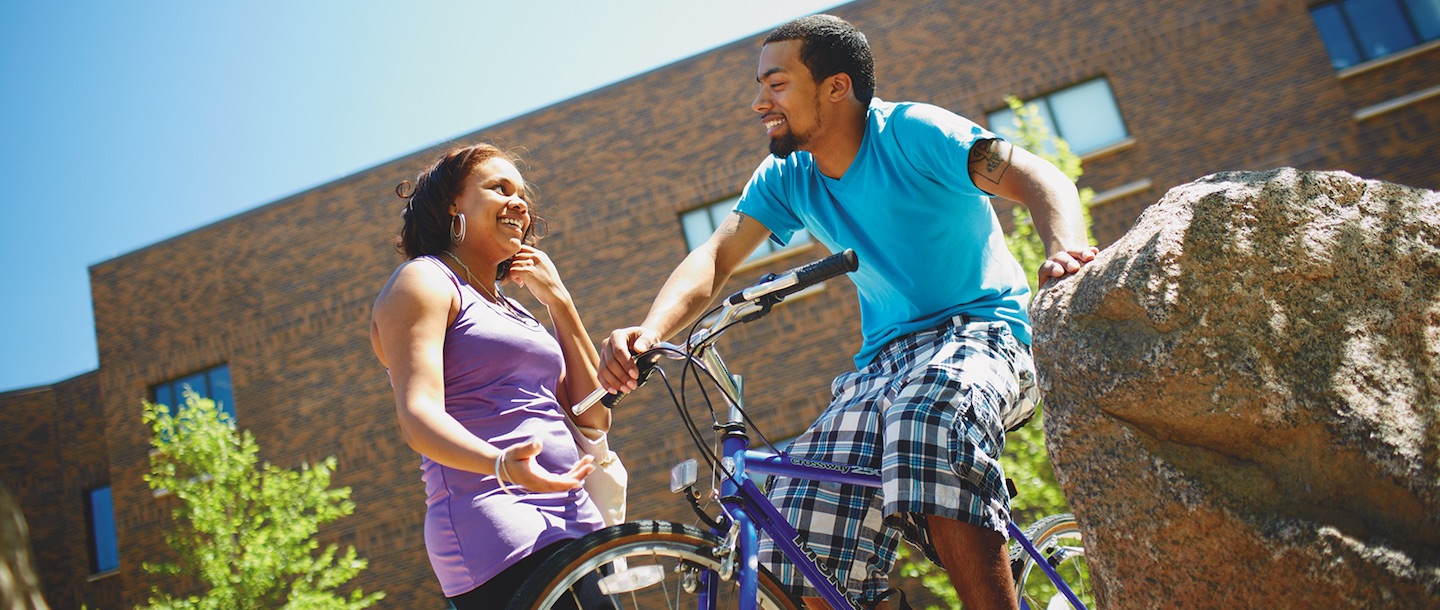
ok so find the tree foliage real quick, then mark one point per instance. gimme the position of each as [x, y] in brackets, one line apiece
[1030, 133]
[1025, 460]
[245, 531]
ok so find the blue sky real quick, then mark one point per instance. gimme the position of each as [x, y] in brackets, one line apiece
[126, 123]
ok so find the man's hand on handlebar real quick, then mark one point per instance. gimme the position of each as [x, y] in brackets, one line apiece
[618, 372]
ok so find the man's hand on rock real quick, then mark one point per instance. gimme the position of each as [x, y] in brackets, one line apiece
[1065, 262]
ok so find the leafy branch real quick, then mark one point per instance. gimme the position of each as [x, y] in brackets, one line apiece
[245, 530]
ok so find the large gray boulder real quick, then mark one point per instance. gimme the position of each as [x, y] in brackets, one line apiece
[1243, 396]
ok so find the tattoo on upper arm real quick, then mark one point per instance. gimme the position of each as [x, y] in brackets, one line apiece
[989, 159]
[731, 224]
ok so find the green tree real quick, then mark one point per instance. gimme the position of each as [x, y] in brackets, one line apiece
[245, 532]
[1030, 133]
[1025, 460]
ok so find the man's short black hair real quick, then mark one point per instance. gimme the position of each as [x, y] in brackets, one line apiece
[829, 45]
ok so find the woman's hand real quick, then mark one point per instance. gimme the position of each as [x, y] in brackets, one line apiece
[533, 270]
[518, 467]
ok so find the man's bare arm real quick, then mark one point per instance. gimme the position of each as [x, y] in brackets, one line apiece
[692, 287]
[1003, 169]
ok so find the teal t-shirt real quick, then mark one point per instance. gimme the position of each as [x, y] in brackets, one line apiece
[928, 240]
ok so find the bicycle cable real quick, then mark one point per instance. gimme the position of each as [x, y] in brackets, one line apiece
[691, 357]
[766, 303]
[696, 436]
[692, 360]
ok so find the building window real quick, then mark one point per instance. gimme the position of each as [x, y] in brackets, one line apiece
[212, 383]
[104, 548]
[1356, 31]
[1085, 116]
[699, 223]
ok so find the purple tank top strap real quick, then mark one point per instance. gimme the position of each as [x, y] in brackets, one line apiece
[454, 279]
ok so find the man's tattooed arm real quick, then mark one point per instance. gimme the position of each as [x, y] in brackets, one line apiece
[989, 159]
[731, 224]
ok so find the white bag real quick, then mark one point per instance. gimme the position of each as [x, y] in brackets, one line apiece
[606, 485]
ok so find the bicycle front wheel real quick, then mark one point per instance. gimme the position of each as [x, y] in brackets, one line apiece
[645, 564]
[1059, 541]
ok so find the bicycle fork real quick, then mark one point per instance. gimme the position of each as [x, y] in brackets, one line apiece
[750, 511]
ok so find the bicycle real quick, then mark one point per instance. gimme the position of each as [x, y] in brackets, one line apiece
[719, 567]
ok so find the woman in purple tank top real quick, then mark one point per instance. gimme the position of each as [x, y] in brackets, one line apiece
[479, 383]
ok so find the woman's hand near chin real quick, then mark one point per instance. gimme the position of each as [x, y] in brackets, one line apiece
[533, 270]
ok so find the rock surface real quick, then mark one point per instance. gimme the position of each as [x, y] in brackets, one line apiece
[1243, 396]
[19, 584]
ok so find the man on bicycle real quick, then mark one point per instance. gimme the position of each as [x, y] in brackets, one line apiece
[945, 365]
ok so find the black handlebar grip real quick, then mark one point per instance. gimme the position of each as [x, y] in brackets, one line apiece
[609, 400]
[646, 363]
[831, 266]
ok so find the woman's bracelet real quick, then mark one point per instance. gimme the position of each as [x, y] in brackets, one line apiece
[501, 475]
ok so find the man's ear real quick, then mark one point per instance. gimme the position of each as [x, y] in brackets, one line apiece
[839, 87]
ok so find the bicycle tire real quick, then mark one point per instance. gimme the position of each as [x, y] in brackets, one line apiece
[1059, 540]
[674, 552]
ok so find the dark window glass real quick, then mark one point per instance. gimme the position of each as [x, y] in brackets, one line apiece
[1380, 26]
[104, 547]
[164, 396]
[1336, 36]
[212, 383]
[1426, 14]
[218, 379]
[1356, 31]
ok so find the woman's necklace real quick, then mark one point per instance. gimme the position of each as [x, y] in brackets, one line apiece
[493, 298]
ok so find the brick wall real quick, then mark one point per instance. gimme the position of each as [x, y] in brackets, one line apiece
[54, 453]
[282, 293]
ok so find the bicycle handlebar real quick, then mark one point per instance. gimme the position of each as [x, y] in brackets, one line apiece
[645, 362]
[799, 278]
[772, 289]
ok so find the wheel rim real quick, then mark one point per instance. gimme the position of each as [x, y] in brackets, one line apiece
[677, 565]
[1064, 548]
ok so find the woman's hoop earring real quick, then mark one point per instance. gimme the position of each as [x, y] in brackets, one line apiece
[457, 236]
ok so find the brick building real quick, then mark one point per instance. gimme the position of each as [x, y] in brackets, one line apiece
[273, 304]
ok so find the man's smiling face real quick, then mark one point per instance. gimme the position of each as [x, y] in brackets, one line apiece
[788, 101]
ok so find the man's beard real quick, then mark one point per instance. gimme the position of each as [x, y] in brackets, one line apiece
[784, 145]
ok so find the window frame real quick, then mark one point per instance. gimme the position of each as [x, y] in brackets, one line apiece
[1045, 102]
[768, 249]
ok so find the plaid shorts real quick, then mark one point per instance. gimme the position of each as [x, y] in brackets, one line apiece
[931, 413]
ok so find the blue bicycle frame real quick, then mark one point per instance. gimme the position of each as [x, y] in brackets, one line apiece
[750, 512]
